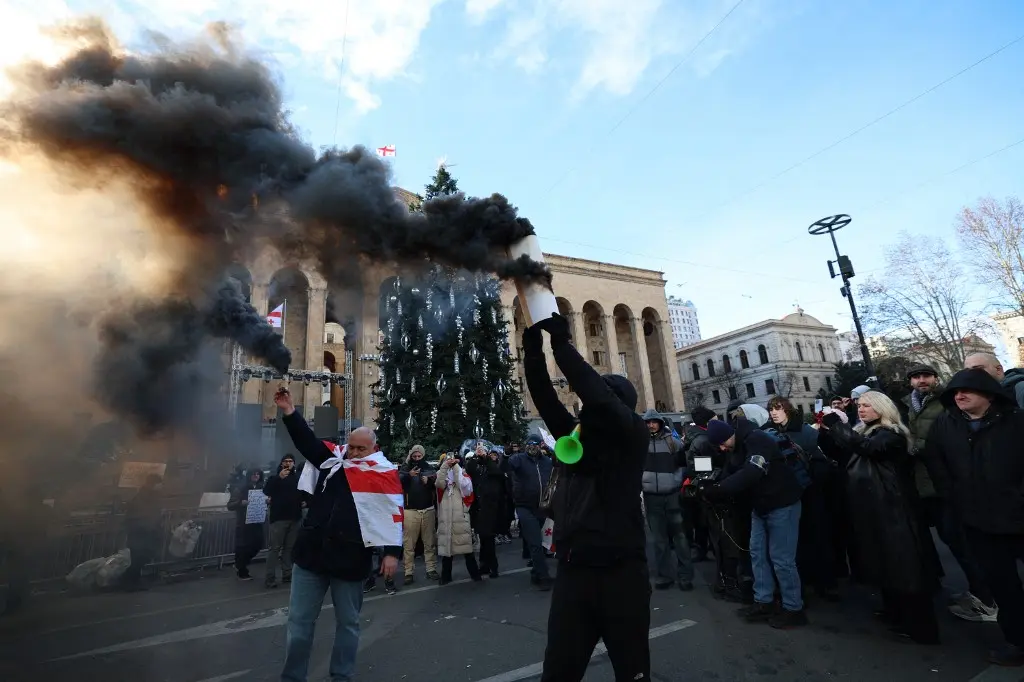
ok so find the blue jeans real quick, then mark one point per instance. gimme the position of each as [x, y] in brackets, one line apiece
[530, 524]
[304, 605]
[773, 542]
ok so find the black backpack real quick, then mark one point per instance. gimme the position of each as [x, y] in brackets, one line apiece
[795, 456]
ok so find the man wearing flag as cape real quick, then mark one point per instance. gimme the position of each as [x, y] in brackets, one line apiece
[356, 509]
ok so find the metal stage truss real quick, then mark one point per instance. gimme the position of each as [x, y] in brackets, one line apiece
[241, 373]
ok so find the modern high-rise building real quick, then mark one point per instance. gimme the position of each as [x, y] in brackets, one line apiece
[682, 315]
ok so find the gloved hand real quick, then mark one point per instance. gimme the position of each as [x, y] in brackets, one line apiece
[558, 327]
[533, 340]
[831, 419]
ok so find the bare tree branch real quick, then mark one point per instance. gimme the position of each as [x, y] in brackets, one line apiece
[992, 234]
[921, 306]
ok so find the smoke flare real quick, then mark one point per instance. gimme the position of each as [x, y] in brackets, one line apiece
[199, 136]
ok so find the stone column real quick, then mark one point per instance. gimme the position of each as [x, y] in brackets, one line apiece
[579, 333]
[663, 330]
[646, 387]
[252, 390]
[611, 344]
[364, 373]
[316, 316]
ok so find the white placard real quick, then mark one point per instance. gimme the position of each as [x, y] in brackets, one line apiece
[256, 510]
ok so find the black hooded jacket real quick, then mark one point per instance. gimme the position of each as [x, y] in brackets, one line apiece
[980, 466]
[240, 494]
[765, 478]
[285, 496]
[597, 502]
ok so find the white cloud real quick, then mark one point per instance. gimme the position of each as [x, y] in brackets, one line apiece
[615, 41]
[479, 9]
[380, 42]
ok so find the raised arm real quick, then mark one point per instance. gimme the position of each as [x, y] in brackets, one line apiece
[590, 386]
[308, 445]
[558, 419]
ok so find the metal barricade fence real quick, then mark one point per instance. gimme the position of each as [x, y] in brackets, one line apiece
[55, 555]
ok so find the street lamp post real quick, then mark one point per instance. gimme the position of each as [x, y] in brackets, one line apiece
[845, 270]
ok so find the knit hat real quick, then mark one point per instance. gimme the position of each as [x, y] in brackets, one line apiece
[859, 391]
[922, 369]
[701, 416]
[534, 439]
[419, 449]
[719, 432]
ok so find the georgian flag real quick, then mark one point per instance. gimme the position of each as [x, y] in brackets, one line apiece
[386, 150]
[276, 317]
[376, 490]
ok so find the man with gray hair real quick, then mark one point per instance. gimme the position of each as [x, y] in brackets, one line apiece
[1012, 381]
[329, 551]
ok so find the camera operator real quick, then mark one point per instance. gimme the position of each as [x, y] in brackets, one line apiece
[767, 482]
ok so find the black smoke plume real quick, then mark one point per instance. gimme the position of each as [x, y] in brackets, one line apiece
[201, 135]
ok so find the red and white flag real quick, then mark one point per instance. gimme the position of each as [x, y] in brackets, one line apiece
[376, 490]
[276, 317]
[386, 150]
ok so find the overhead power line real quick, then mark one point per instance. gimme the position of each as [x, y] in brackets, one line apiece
[864, 127]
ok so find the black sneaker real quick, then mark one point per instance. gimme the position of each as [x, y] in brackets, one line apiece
[783, 620]
[389, 587]
[544, 584]
[663, 584]
[244, 575]
[757, 613]
[369, 586]
[1009, 656]
[493, 574]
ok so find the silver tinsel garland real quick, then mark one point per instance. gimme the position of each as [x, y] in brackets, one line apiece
[462, 399]
[458, 326]
[433, 419]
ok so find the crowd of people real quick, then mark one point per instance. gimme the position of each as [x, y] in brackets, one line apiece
[790, 508]
[794, 507]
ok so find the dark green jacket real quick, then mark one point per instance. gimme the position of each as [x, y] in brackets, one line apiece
[920, 424]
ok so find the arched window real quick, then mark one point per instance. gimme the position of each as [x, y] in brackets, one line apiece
[711, 368]
[762, 355]
[744, 361]
[799, 351]
[821, 350]
[695, 368]
[726, 364]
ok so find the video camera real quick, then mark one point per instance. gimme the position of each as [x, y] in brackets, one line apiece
[705, 471]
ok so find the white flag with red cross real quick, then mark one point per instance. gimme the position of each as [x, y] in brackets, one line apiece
[386, 150]
[547, 533]
[276, 317]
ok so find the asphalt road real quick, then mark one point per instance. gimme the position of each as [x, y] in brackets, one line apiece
[217, 629]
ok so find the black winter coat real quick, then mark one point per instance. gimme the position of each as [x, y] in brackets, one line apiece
[894, 551]
[493, 493]
[596, 506]
[981, 472]
[329, 541]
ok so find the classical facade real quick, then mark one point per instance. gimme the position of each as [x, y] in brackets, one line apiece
[1011, 330]
[618, 316]
[793, 357]
[682, 315]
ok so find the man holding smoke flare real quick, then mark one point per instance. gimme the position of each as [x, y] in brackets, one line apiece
[602, 589]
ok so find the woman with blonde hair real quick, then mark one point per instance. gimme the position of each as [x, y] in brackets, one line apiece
[892, 551]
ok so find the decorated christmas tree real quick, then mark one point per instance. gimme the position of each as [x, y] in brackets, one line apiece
[445, 364]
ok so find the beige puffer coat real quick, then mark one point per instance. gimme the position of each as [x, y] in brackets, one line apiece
[454, 535]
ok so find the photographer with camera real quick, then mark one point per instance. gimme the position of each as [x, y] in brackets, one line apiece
[769, 484]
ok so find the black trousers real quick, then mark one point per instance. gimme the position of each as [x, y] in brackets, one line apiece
[488, 554]
[471, 567]
[143, 548]
[590, 604]
[248, 543]
[815, 555]
[913, 613]
[695, 524]
[997, 555]
[951, 531]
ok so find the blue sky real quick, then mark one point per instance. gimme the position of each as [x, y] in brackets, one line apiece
[550, 103]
